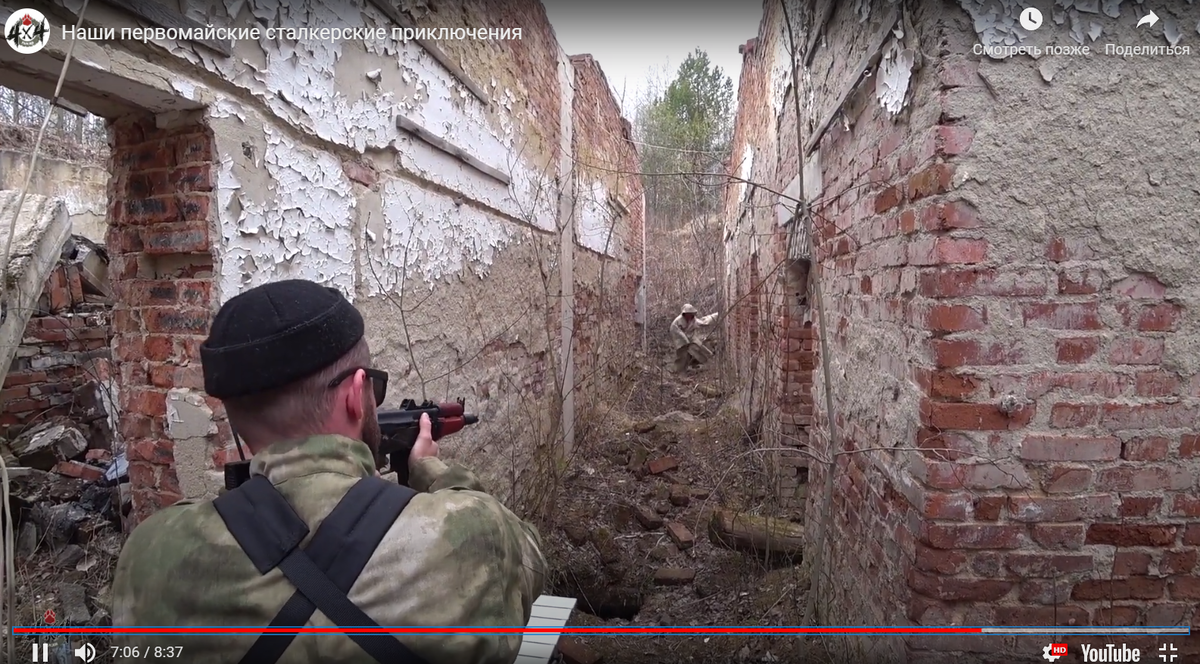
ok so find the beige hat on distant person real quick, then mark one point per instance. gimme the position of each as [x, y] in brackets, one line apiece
[688, 309]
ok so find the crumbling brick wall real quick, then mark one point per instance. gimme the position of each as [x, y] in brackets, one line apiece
[66, 346]
[772, 344]
[608, 197]
[1031, 372]
[161, 270]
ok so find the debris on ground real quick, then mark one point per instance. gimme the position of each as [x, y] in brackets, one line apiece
[673, 463]
[67, 522]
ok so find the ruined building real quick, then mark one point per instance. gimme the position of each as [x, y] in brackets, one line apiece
[460, 187]
[1005, 245]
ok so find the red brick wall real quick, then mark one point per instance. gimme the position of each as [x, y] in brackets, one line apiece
[66, 345]
[1052, 483]
[772, 343]
[605, 310]
[527, 66]
[160, 201]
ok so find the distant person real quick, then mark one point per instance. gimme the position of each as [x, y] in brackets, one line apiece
[687, 350]
[316, 537]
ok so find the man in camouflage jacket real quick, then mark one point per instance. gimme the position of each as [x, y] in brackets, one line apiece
[454, 556]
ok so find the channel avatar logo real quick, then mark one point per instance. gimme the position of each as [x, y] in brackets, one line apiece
[1052, 652]
[27, 31]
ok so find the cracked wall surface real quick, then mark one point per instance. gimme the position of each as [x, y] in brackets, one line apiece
[368, 165]
[771, 346]
[79, 184]
[609, 224]
[1002, 245]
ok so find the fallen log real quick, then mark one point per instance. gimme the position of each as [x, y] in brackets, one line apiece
[756, 534]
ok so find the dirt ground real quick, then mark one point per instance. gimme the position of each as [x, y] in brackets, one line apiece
[606, 558]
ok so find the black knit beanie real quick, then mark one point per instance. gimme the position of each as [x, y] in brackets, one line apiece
[276, 334]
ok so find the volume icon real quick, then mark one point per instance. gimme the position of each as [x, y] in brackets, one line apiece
[86, 652]
[42, 649]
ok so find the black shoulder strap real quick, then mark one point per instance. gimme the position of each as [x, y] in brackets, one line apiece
[269, 531]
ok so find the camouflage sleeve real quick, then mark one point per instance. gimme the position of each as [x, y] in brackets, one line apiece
[708, 320]
[432, 474]
[465, 559]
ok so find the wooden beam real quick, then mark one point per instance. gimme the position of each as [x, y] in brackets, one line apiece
[450, 149]
[874, 47]
[818, 29]
[433, 50]
[756, 534]
[167, 18]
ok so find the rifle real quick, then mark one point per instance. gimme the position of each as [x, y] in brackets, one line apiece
[400, 428]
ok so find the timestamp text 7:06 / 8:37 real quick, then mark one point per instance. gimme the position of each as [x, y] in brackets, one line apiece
[134, 652]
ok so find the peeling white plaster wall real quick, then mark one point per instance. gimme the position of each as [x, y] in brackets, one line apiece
[304, 230]
[780, 69]
[745, 169]
[427, 234]
[862, 9]
[998, 21]
[594, 220]
[298, 81]
[894, 74]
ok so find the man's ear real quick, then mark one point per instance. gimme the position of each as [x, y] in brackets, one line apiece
[353, 396]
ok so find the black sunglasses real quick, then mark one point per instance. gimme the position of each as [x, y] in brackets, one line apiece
[379, 380]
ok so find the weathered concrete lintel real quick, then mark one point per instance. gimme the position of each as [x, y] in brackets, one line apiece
[424, 134]
[42, 227]
[434, 51]
[35, 82]
[106, 81]
[164, 17]
[876, 46]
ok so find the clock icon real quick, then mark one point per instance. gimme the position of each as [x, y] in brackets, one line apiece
[1031, 19]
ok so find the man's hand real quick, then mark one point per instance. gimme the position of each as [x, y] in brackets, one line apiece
[424, 447]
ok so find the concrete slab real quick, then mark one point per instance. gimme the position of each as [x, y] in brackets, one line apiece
[42, 227]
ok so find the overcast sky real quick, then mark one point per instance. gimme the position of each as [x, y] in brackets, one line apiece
[635, 40]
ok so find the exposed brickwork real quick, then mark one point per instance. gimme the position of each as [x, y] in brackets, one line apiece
[161, 199]
[1055, 478]
[66, 345]
[606, 288]
[771, 341]
[528, 66]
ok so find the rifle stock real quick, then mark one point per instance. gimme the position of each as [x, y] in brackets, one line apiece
[401, 426]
